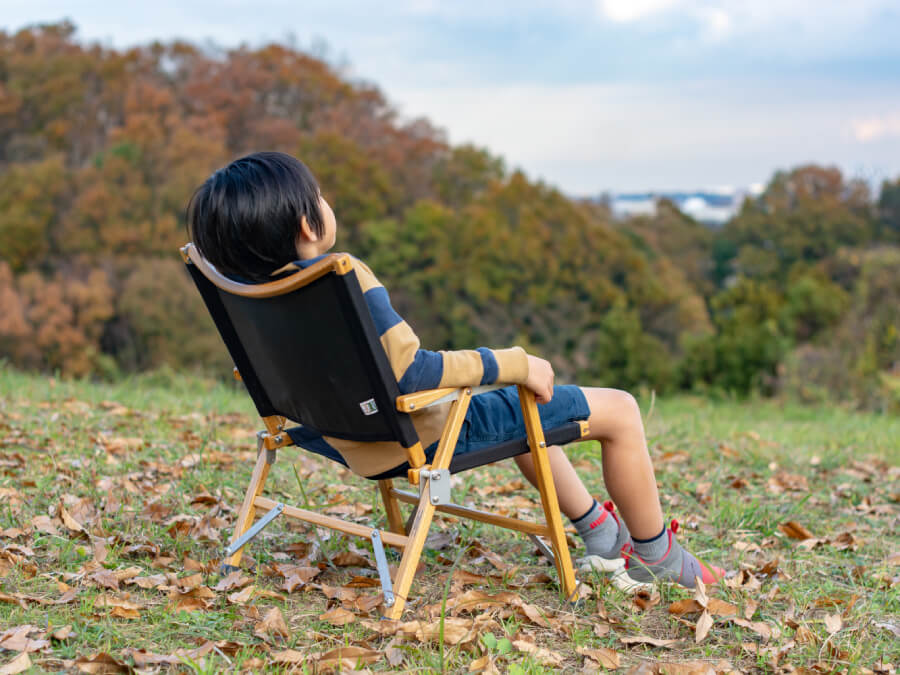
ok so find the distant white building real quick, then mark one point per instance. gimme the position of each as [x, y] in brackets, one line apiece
[714, 206]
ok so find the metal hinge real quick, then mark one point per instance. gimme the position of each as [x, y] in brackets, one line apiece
[438, 481]
[241, 541]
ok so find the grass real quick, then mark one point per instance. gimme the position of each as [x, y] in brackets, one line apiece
[154, 469]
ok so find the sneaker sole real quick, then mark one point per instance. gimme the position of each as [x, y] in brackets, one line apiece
[598, 563]
[626, 584]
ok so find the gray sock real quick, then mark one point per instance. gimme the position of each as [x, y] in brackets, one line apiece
[652, 550]
[600, 531]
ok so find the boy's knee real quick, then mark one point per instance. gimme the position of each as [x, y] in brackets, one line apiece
[614, 411]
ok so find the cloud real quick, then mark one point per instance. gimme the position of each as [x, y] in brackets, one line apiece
[592, 137]
[626, 11]
[876, 128]
[718, 23]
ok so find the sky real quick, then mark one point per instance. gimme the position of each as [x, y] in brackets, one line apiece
[588, 95]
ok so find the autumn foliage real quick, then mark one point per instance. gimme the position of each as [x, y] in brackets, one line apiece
[100, 150]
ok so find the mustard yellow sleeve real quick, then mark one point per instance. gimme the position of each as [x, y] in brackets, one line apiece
[417, 369]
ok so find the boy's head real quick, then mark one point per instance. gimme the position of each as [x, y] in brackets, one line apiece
[258, 214]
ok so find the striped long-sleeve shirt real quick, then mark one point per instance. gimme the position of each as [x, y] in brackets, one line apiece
[417, 369]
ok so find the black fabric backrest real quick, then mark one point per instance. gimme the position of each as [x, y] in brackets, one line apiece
[312, 355]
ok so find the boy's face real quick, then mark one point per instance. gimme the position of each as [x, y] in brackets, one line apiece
[329, 235]
[310, 244]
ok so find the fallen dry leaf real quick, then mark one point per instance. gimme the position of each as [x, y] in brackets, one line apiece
[456, 630]
[143, 658]
[833, 623]
[63, 633]
[888, 626]
[101, 663]
[644, 600]
[393, 655]
[44, 524]
[694, 668]
[289, 656]
[105, 578]
[338, 616]
[18, 665]
[348, 658]
[339, 593]
[122, 608]
[152, 581]
[17, 640]
[190, 601]
[242, 597]
[704, 623]
[233, 580]
[71, 524]
[761, 628]
[646, 640]
[795, 530]
[545, 656]
[607, 658]
[804, 635]
[272, 625]
[745, 581]
[350, 559]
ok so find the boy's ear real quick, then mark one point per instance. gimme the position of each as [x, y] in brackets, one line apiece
[306, 232]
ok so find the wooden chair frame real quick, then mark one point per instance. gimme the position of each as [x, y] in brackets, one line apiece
[411, 540]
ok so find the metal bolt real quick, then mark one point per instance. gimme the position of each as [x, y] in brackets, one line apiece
[434, 499]
[412, 406]
[542, 444]
[277, 439]
[435, 475]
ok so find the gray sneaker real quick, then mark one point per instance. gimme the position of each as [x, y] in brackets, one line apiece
[676, 565]
[612, 560]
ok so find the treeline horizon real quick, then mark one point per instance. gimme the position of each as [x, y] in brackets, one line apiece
[100, 149]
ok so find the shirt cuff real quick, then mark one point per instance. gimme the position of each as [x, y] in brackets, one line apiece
[512, 365]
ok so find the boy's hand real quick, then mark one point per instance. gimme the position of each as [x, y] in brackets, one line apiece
[540, 378]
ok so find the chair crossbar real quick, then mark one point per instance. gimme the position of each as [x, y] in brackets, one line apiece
[389, 538]
[461, 511]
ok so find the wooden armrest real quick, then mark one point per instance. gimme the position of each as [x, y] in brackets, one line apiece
[425, 399]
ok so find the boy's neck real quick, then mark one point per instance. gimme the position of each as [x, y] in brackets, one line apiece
[312, 249]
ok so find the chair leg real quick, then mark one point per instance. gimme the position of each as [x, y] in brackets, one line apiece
[264, 461]
[548, 492]
[424, 512]
[391, 507]
[411, 554]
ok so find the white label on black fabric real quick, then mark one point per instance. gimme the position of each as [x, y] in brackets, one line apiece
[369, 407]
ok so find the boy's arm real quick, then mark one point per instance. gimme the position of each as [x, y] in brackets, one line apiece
[417, 369]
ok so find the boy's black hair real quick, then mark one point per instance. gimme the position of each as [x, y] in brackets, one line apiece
[245, 219]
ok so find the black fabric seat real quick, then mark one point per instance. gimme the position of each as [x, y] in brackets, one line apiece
[560, 435]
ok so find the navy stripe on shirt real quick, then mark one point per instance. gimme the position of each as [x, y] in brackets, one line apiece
[489, 363]
[380, 308]
[424, 372]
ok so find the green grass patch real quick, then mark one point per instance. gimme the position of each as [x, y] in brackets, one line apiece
[154, 468]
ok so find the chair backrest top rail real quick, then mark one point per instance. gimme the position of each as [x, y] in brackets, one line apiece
[340, 263]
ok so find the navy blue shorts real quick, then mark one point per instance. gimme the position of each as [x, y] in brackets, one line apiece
[496, 416]
[493, 417]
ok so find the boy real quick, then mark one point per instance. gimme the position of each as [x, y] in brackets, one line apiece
[263, 216]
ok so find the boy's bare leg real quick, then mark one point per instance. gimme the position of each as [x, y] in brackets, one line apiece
[574, 499]
[615, 421]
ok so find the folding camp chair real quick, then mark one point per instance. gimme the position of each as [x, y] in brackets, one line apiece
[308, 352]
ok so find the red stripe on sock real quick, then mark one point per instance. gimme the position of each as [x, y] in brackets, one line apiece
[599, 520]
